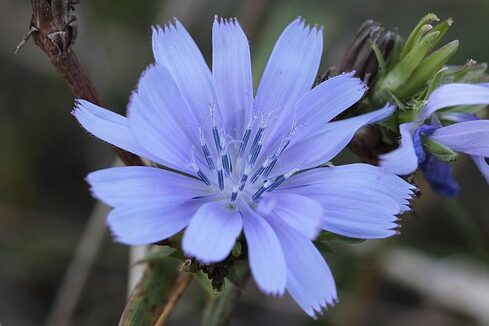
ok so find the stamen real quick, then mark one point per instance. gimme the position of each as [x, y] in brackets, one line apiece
[246, 138]
[205, 150]
[280, 179]
[220, 178]
[254, 154]
[217, 139]
[256, 174]
[270, 163]
[203, 177]
[271, 185]
[226, 163]
[197, 170]
[244, 178]
[269, 168]
[257, 139]
[259, 192]
[208, 157]
[200, 173]
[277, 182]
[230, 163]
[234, 194]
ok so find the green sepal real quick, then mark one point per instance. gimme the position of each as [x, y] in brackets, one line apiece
[237, 250]
[402, 71]
[440, 151]
[417, 32]
[443, 28]
[399, 103]
[427, 68]
[435, 82]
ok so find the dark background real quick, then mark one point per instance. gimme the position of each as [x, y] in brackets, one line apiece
[435, 273]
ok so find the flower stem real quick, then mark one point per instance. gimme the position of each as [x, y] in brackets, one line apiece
[181, 284]
[54, 30]
[150, 296]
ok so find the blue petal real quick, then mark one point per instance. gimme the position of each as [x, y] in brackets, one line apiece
[402, 160]
[423, 130]
[452, 95]
[130, 185]
[440, 177]
[483, 166]
[266, 256]
[299, 212]
[110, 127]
[212, 232]
[231, 68]
[326, 101]
[458, 116]
[354, 175]
[470, 137]
[161, 119]
[312, 113]
[292, 67]
[324, 144]
[174, 49]
[156, 220]
[358, 200]
[309, 279]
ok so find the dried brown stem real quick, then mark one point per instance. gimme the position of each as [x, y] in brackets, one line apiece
[54, 30]
[181, 284]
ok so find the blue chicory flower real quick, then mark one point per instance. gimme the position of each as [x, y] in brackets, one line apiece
[245, 163]
[466, 133]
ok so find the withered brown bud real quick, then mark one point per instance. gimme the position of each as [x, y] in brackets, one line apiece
[368, 142]
[54, 27]
[359, 55]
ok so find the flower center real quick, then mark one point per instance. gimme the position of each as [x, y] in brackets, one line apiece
[241, 167]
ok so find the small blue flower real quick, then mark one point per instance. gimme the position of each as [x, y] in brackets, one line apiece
[466, 133]
[246, 163]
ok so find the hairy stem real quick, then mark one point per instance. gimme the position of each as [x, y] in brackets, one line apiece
[54, 30]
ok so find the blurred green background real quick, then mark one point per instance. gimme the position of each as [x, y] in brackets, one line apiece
[435, 273]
